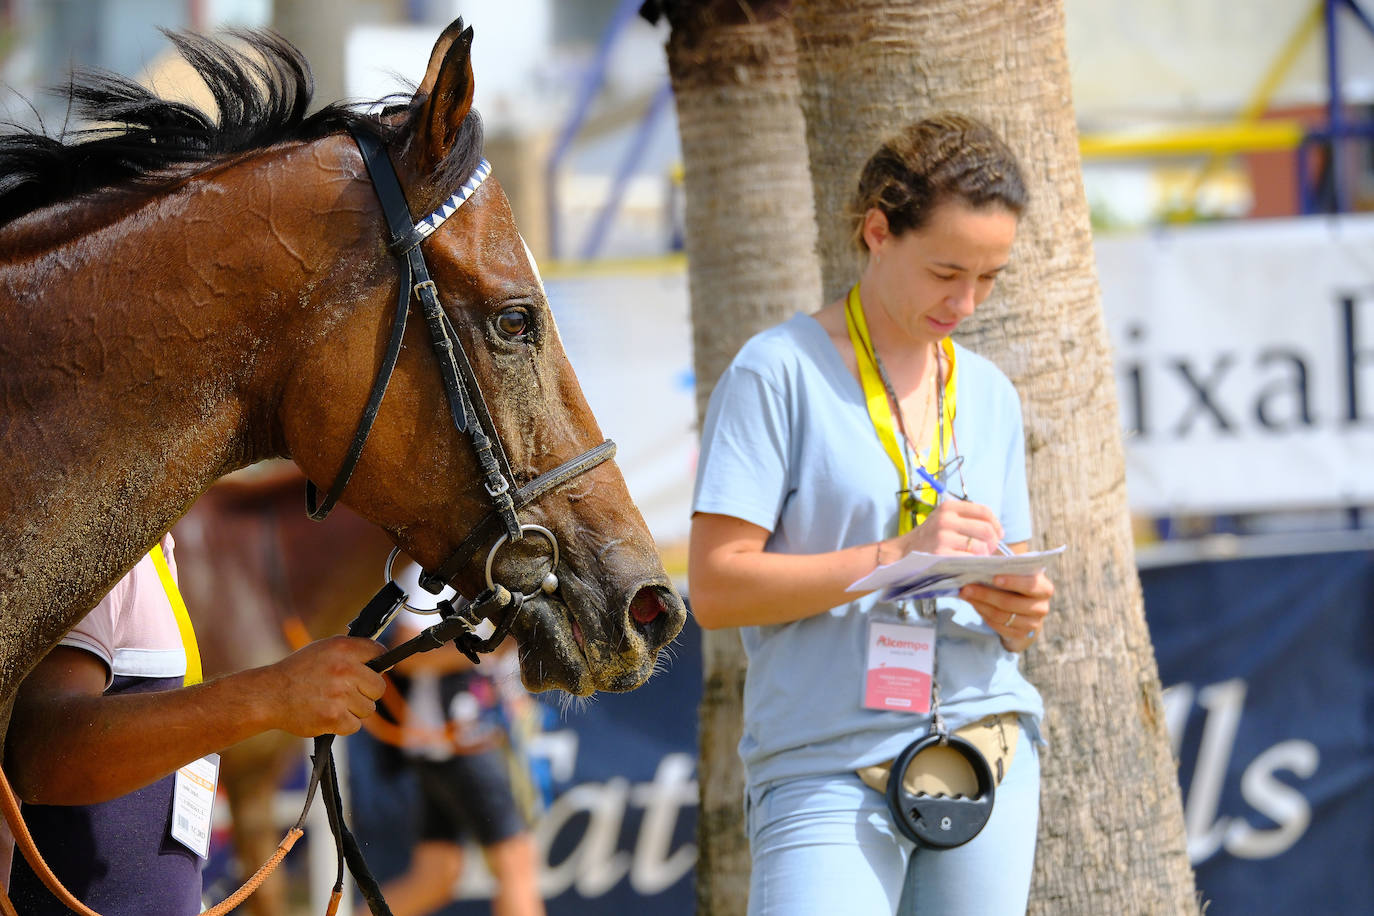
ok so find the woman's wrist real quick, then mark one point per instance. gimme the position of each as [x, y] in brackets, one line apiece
[887, 552]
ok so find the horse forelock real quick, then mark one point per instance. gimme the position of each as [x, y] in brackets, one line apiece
[136, 140]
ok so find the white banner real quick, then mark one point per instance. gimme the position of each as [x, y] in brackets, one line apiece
[1245, 363]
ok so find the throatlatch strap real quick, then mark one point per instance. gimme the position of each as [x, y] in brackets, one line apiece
[404, 237]
[454, 369]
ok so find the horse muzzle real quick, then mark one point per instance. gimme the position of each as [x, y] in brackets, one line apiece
[571, 641]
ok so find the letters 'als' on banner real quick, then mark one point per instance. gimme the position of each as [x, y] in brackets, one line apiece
[1268, 665]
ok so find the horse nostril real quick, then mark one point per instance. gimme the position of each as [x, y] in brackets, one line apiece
[646, 606]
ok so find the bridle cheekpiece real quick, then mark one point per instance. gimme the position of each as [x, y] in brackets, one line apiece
[466, 407]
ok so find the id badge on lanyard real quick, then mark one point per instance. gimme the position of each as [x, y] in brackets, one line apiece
[900, 666]
[193, 804]
[193, 795]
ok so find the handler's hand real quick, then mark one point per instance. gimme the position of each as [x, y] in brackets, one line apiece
[327, 688]
[1015, 608]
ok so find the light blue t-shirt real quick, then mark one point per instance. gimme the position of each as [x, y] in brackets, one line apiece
[788, 445]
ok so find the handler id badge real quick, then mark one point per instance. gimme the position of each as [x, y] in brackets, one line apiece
[193, 804]
[900, 667]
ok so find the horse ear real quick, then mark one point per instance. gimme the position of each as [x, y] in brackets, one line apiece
[444, 97]
[436, 57]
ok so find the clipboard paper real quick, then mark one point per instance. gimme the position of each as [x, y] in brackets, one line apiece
[928, 575]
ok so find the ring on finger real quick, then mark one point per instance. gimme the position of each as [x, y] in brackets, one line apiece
[1010, 620]
[968, 545]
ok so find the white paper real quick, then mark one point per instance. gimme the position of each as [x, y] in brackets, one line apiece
[928, 575]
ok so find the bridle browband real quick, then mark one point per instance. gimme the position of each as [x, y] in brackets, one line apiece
[461, 389]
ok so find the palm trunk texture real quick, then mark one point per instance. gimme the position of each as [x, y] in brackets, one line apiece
[751, 243]
[1111, 829]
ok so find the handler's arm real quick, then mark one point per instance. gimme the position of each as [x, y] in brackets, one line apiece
[69, 744]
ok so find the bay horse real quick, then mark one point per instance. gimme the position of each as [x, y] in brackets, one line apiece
[182, 297]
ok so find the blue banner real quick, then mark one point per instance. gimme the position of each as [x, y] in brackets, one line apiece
[1268, 665]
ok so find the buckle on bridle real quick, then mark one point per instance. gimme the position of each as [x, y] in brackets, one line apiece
[496, 491]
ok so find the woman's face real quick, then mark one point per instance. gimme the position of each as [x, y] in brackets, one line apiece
[930, 279]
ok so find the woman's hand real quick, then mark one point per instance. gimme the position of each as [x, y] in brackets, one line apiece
[956, 526]
[1014, 606]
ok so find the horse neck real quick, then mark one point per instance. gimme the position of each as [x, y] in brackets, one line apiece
[144, 357]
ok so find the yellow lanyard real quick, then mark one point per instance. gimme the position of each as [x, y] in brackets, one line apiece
[188, 635]
[912, 507]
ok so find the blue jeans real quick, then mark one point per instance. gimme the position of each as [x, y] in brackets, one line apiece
[827, 845]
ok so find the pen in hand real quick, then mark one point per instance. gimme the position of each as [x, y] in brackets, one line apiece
[942, 491]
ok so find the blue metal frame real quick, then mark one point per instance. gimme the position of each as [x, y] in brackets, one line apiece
[592, 81]
[602, 227]
[1338, 130]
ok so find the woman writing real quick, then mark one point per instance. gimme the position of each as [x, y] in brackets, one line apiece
[810, 477]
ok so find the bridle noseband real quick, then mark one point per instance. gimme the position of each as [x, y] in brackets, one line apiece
[462, 392]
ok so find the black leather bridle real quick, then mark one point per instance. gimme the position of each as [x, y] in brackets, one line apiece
[461, 389]
[470, 416]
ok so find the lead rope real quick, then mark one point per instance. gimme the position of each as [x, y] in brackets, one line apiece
[456, 627]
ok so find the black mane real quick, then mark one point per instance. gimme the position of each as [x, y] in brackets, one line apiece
[261, 91]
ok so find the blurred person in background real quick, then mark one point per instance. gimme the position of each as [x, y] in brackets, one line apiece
[460, 731]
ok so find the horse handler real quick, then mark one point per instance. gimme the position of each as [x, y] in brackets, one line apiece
[112, 743]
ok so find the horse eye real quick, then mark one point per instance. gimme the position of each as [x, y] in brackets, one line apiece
[513, 323]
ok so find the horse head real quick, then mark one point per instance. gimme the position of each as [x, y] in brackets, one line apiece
[598, 622]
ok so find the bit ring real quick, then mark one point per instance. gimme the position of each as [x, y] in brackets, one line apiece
[549, 585]
[390, 577]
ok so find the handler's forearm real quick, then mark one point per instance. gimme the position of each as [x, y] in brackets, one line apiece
[82, 750]
[756, 587]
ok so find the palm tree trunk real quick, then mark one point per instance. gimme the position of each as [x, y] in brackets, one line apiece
[750, 231]
[1111, 832]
